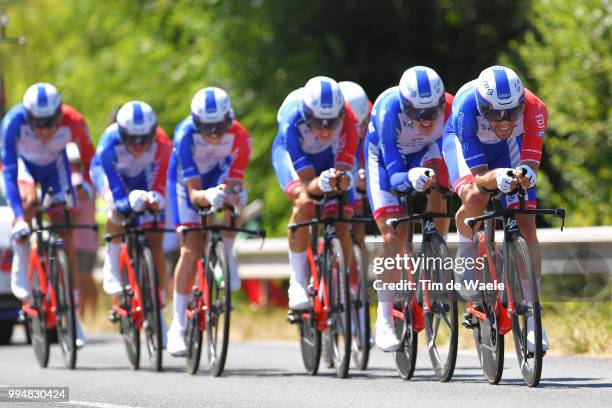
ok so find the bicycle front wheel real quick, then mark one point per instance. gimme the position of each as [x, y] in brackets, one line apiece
[405, 357]
[339, 307]
[37, 325]
[441, 317]
[526, 306]
[149, 288]
[219, 308]
[360, 310]
[65, 314]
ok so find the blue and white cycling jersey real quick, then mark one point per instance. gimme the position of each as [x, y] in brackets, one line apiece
[394, 145]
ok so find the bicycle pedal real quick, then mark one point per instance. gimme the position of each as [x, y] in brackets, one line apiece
[113, 317]
[469, 322]
[293, 317]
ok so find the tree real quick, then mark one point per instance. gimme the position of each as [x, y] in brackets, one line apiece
[566, 61]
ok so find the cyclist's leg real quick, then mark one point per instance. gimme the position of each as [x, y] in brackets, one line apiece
[384, 205]
[191, 248]
[111, 275]
[302, 210]
[473, 203]
[58, 179]
[229, 237]
[20, 285]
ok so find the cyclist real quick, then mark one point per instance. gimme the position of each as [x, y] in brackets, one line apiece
[210, 155]
[357, 98]
[314, 152]
[496, 126]
[34, 138]
[402, 149]
[129, 171]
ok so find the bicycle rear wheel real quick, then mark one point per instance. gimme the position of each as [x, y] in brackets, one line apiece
[441, 318]
[360, 311]
[65, 313]
[526, 305]
[149, 288]
[340, 308]
[218, 313]
[129, 332]
[37, 325]
[405, 357]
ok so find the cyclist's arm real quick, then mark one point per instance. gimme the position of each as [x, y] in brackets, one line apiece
[116, 184]
[80, 135]
[392, 158]
[241, 153]
[162, 157]
[10, 131]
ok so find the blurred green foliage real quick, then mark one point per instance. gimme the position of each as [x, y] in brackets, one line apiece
[102, 54]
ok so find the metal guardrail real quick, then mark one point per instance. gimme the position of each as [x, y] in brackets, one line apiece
[559, 250]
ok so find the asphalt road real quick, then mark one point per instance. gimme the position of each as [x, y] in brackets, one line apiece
[271, 374]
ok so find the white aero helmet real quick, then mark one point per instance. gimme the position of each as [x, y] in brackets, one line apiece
[421, 93]
[43, 105]
[137, 123]
[212, 112]
[322, 103]
[500, 95]
[357, 98]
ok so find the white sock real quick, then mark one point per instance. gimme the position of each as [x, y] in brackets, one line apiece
[445, 238]
[180, 304]
[21, 257]
[113, 252]
[384, 312]
[297, 261]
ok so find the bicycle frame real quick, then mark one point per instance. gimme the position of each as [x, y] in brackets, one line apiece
[487, 247]
[39, 262]
[130, 250]
[429, 230]
[317, 256]
[202, 269]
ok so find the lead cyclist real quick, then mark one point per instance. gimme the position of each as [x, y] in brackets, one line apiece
[497, 126]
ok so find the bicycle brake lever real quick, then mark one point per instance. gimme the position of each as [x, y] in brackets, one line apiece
[561, 214]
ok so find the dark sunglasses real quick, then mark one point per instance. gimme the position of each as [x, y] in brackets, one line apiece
[333, 123]
[44, 123]
[213, 130]
[499, 115]
[137, 140]
[419, 115]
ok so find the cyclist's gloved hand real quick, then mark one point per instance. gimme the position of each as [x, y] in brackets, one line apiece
[529, 175]
[156, 200]
[325, 180]
[418, 178]
[20, 229]
[138, 200]
[504, 181]
[348, 176]
[215, 196]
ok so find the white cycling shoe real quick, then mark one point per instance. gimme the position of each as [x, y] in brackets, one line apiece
[112, 279]
[176, 341]
[531, 336]
[298, 298]
[80, 336]
[386, 339]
